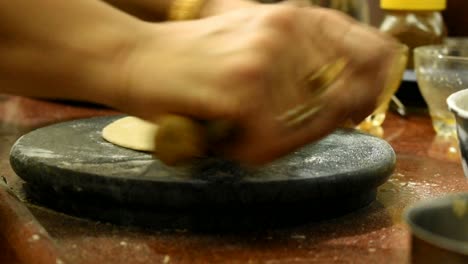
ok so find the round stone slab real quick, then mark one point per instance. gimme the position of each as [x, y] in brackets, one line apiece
[70, 161]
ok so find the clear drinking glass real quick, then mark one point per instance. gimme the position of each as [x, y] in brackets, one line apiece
[441, 70]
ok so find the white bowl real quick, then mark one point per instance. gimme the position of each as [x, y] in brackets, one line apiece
[458, 104]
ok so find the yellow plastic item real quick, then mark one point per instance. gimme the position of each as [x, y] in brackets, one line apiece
[413, 4]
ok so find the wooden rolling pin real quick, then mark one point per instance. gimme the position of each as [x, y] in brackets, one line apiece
[181, 139]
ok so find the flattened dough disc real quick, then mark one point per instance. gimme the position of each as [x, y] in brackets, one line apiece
[131, 132]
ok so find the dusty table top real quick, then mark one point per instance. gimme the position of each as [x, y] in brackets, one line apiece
[426, 167]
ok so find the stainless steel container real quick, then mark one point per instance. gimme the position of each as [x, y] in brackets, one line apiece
[439, 230]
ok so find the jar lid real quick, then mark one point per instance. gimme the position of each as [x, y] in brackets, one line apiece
[413, 4]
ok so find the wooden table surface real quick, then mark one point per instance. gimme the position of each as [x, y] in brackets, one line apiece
[426, 167]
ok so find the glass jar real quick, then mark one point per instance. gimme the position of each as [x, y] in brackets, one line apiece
[414, 23]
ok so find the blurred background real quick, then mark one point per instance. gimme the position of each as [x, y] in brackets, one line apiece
[369, 11]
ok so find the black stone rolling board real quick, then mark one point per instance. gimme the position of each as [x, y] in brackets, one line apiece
[69, 167]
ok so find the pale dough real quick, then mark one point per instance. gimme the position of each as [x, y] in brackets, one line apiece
[131, 132]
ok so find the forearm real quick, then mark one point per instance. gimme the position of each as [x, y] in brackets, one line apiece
[62, 49]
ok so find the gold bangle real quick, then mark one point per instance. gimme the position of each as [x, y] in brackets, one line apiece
[185, 9]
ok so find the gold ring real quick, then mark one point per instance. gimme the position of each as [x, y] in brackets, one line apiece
[319, 82]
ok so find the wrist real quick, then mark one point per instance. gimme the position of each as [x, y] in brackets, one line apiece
[104, 65]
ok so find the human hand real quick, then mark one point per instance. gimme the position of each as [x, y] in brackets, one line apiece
[250, 67]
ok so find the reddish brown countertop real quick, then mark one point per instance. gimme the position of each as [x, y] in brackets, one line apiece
[426, 167]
